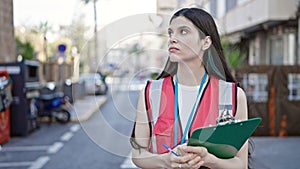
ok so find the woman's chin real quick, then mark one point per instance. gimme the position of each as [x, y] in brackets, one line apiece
[174, 58]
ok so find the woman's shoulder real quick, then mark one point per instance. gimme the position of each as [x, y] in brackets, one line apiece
[216, 80]
[241, 93]
[158, 81]
[242, 112]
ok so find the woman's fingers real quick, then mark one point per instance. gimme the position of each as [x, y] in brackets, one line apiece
[196, 165]
[180, 150]
[195, 162]
[190, 157]
[201, 151]
[183, 161]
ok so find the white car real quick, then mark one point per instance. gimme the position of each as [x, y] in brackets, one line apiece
[94, 83]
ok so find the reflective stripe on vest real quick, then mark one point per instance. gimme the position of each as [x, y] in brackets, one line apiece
[225, 97]
[155, 95]
[160, 108]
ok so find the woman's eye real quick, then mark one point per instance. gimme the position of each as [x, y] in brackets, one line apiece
[170, 33]
[183, 32]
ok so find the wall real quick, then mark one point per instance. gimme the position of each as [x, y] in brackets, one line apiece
[7, 40]
[243, 16]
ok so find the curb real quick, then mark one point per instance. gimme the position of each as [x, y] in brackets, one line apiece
[79, 116]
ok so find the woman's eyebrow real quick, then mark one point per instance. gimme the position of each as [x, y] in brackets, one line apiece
[180, 27]
[184, 27]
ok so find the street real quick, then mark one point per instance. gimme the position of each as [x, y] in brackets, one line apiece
[102, 142]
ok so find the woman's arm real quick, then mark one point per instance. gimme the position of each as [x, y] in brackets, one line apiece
[241, 159]
[142, 157]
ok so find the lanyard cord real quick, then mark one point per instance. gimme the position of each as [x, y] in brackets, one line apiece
[191, 114]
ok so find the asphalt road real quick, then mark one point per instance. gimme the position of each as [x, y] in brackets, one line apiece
[103, 143]
[276, 153]
[99, 143]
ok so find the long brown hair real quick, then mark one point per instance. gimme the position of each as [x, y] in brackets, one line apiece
[214, 60]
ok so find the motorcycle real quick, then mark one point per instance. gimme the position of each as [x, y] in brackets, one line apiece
[54, 104]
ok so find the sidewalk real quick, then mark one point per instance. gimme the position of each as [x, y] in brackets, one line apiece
[86, 107]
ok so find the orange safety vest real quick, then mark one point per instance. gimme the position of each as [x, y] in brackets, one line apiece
[159, 100]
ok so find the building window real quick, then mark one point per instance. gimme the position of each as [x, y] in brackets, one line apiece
[230, 4]
[276, 50]
[221, 8]
[254, 52]
[292, 57]
[217, 9]
[294, 86]
[255, 86]
[213, 8]
[240, 2]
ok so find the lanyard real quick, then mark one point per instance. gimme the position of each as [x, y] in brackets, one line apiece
[176, 113]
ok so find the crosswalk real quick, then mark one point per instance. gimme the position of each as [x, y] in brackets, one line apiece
[42, 160]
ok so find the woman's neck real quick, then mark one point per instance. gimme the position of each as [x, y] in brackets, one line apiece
[190, 74]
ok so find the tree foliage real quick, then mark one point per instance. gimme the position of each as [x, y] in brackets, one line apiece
[77, 33]
[233, 54]
[24, 49]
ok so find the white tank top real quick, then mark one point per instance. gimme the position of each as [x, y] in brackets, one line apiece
[186, 99]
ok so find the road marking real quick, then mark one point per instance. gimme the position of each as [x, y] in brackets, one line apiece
[55, 147]
[15, 164]
[128, 162]
[40, 162]
[67, 136]
[75, 127]
[24, 148]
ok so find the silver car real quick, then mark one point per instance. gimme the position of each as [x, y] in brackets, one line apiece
[94, 83]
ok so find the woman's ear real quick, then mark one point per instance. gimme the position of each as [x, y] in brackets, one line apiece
[206, 43]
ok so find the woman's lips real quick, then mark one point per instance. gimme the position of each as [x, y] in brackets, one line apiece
[173, 49]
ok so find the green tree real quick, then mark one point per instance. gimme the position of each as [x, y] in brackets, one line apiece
[233, 54]
[42, 29]
[77, 33]
[24, 49]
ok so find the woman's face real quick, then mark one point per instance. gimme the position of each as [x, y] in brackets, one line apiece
[184, 40]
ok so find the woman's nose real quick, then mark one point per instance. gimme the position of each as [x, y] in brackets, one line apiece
[173, 39]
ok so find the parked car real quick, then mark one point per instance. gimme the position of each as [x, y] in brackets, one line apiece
[94, 83]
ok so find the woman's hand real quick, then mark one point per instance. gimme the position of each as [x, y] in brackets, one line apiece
[201, 156]
[186, 159]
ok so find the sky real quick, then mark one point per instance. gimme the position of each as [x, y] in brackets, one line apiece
[61, 12]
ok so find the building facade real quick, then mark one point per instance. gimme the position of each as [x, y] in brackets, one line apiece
[269, 27]
[7, 40]
[268, 33]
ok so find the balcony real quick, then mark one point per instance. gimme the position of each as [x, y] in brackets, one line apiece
[256, 12]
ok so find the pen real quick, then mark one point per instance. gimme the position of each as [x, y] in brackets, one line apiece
[173, 152]
[170, 150]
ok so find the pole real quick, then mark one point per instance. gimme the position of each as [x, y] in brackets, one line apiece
[95, 31]
[298, 47]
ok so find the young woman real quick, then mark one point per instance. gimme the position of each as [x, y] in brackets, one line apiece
[190, 93]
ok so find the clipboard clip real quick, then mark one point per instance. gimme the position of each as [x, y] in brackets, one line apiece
[225, 117]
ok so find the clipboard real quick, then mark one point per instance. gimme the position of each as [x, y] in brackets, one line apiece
[224, 140]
